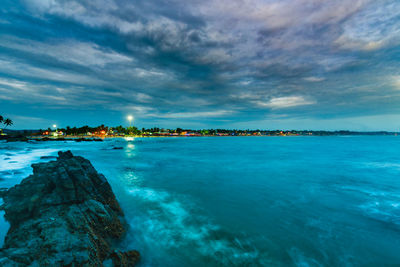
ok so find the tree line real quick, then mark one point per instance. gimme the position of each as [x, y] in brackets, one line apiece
[93, 130]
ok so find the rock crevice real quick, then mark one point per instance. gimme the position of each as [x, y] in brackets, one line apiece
[64, 214]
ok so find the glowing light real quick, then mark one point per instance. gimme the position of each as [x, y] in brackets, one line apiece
[130, 119]
[54, 126]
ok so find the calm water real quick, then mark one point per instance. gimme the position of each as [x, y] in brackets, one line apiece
[246, 201]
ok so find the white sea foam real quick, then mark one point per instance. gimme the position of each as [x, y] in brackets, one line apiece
[15, 164]
[14, 160]
[378, 204]
[365, 191]
[301, 260]
[385, 211]
[168, 222]
[382, 165]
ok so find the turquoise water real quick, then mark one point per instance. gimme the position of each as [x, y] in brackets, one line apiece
[246, 201]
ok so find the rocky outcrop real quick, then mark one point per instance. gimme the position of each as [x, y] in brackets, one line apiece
[65, 214]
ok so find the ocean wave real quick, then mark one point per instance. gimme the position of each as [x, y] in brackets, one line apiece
[377, 204]
[174, 226]
[367, 191]
[387, 211]
[382, 165]
[301, 260]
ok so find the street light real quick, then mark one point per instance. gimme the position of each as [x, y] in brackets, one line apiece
[55, 129]
[130, 119]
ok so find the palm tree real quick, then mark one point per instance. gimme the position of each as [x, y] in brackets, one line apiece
[1, 119]
[8, 122]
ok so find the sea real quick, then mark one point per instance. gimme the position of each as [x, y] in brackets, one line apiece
[244, 201]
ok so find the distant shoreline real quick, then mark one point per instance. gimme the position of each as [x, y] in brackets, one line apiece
[102, 132]
[66, 138]
[99, 138]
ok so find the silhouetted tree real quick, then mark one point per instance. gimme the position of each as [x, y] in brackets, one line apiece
[7, 122]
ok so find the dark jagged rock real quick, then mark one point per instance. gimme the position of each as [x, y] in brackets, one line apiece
[65, 214]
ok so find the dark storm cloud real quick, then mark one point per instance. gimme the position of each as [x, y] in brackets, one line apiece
[211, 62]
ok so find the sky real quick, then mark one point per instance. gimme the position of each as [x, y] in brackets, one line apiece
[266, 64]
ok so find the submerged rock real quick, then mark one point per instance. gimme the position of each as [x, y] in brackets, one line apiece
[87, 139]
[15, 138]
[65, 214]
[48, 157]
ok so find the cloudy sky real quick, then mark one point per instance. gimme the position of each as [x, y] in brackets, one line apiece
[291, 64]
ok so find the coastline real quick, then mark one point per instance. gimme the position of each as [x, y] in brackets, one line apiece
[99, 137]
